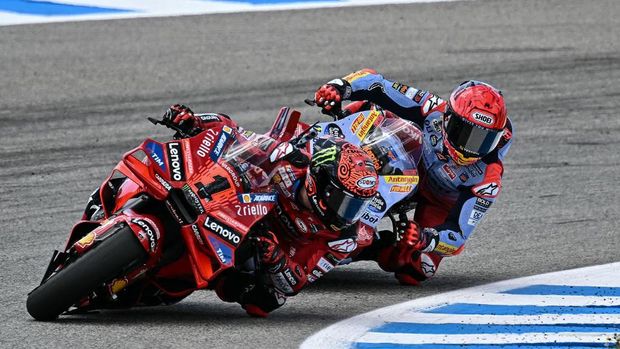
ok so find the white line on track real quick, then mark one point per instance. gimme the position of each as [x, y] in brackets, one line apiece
[171, 8]
[532, 306]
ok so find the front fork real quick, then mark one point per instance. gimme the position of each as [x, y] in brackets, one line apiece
[87, 234]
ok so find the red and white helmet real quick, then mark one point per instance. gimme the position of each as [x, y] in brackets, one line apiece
[474, 121]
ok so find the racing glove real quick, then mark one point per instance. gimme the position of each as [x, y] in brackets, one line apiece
[285, 275]
[330, 96]
[269, 253]
[182, 117]
[410, 238]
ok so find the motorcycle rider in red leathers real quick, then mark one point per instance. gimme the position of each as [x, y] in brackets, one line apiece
[322, 194]
[465, 141]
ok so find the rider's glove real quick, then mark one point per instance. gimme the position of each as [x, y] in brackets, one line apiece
[412, 237]
[269, 252]
[330, 96]
[181, 116]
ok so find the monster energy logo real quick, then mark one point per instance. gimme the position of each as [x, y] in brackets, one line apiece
[324, 156]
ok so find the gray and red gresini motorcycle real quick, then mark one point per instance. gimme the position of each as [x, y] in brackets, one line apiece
[167, 221]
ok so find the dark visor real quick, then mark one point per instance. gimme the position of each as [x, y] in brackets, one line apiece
[346, 207]
[469, 139]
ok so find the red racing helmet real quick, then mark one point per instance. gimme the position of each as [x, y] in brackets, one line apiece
[341, 182]
[474, 121]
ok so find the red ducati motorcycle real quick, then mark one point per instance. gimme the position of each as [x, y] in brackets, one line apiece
[173, 215]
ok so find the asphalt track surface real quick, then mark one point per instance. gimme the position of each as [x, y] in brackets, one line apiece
[74, 96]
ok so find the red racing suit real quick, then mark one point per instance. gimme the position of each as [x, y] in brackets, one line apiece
[451, 199]
[310, 247]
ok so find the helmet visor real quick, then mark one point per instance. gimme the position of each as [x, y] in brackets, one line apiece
[347, 207]
[470, 139]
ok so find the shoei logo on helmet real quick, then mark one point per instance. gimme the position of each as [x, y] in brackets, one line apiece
[483, 118]
[367, 182]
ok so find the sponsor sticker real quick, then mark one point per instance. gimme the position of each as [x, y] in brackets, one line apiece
[377, 204]
[175, 161]
[344, 245]
[363, 130]
[86, 240]
[431, 102]
[483, 118]
[280, 283]
[418, 96]
[156, 152]
[193, 199]
[357, 75]
[250, 198]
[449, 171]
[301, 225]
[489, 190]
[206, 144]
[334, 131]
[163, 182]
[290, 277]
[401, 188]
[324, 265]
[410, 93]
[251, 210]
[232, 173]
[370, 218]
[208, 117]
[223, 252]
[401, 179]
[357, 122]
[475, 217]
[281, 151]
[221, 142]
[483, 202]
[224, 231]
[148, 229]
[196, 232]
[367, 182]
[118, 285]
[444, 248]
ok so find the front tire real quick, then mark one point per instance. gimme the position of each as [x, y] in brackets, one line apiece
[107, 260]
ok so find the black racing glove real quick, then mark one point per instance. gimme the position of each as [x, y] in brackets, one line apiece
[182, 117]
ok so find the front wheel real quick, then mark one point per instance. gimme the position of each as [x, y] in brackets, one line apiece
[109, 259]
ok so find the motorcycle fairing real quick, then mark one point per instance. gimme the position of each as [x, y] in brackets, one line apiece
[402, 142]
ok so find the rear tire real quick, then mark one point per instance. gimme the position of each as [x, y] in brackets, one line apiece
[109, 259]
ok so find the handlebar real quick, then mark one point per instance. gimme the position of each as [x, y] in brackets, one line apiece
[337, 114]
[169, 124]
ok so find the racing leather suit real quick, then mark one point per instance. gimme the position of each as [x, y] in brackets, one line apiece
[452, 199]
[310, 247]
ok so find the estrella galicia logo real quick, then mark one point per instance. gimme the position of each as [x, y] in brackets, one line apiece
[377, 204]
[175, 161]
[156, 152]
[221, 142]
[334, 131]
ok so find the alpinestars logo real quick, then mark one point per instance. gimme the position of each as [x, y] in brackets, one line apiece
[175, 161]
[487, 190]
[344, 245]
